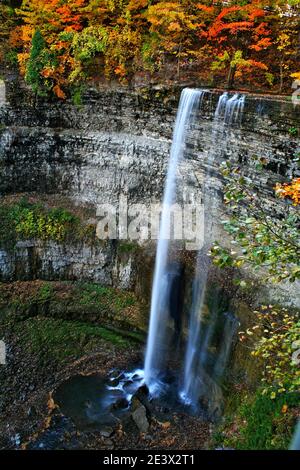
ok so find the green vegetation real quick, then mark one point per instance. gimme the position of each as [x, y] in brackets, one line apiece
[35, 64]
[275, 338]
[261, 414]
[77, 96]
[259, 239]
[272, 339]
[260, 423]
[293, 131]
[25, 220]
[79, 301]
[60, 320]
[106, 297]
[45, 293]
[127, 247]
[59, 339]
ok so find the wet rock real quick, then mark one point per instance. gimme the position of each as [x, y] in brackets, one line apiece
[210, 396]
[107, 431]
[135, 403]
[114, 374]
[31, 412]
[33, 135]
[120, 403]
[109, 444]
[142, 394]
[128, 383]
[114, 382]
[139, 416]
[136, 377]
[143, 391]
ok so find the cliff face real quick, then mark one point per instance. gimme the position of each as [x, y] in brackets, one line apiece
[117, 143]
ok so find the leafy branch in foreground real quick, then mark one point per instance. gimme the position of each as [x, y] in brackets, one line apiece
[274, 340]
[261, 240]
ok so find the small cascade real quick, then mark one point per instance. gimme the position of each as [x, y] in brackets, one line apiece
[229, 330]
[230, 108]
[228, 112]
[221, 106]
[157, 344]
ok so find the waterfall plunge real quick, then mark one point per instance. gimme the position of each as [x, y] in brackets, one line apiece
[228, 112]
[157, 336]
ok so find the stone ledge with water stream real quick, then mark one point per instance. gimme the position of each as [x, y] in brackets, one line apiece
[118, 143]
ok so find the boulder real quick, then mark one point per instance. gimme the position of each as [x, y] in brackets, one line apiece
[106, 431]
[139, 416]
[142, 396]
[210, 396]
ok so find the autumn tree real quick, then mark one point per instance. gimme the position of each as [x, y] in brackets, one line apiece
[8, 23]
[174, 24]
[289, 191]
[91, 39]
[57, 21]
[238, 34]
[286, 30]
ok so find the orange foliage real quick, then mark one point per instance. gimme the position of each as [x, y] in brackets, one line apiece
[263, 43]
[289, 190]
[131, 36]
[58, 91]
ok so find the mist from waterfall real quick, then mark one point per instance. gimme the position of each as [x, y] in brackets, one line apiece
[156, 351]
[228, 111]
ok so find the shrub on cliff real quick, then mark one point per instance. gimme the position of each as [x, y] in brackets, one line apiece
[25, 220]
[36, 64]
[260, 239]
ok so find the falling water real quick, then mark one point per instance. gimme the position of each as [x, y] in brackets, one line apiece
[157, 336]
[228, 112]
[229, 330]
[234, 109]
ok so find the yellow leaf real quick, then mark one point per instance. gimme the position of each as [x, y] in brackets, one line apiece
[284, 409]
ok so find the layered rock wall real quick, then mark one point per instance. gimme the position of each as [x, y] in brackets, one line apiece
[117, 143]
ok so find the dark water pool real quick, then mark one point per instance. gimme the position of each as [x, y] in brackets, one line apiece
[94, 401]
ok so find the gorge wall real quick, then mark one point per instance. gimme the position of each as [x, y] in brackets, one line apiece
[117, 142]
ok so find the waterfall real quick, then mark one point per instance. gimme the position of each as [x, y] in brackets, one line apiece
[157, 337]
[228, 111]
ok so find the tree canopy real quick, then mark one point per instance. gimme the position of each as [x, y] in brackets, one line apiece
[254, 44]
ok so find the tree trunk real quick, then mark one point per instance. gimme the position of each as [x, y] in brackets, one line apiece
[178, 62]
[230, 77]
[281, 78]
